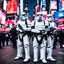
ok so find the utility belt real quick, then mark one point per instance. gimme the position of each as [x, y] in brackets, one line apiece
[39, 32]
[22, 34]
[39, 37]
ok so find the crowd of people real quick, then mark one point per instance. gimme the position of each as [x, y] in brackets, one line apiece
[7, 37]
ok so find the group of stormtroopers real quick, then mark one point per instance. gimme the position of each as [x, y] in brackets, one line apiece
[42, 36]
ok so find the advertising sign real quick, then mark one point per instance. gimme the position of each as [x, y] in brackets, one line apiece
[61, 0]
[58, 15]
[2, 17]
[43, 1]
[63, 5]
[43, 4]
[53, 5]
[12, 6]
[60, 6]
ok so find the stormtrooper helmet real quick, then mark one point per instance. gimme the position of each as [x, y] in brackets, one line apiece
[22, 16]
[49, 17]
[39, 16]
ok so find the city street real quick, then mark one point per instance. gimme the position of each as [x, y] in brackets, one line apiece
[34, 26]
[8, 53]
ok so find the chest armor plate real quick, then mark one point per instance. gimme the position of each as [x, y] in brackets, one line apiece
[22, 23]
[39, 25]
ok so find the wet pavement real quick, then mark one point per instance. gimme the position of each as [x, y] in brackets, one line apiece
[8, 53]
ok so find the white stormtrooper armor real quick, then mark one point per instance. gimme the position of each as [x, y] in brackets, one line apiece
[37, 27]
[50, 24]
[23, 27]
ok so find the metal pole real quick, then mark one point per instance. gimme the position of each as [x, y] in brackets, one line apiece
[21, 5]
[4, 5]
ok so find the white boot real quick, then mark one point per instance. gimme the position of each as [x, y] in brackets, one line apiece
[49, 56]
[43, 51]
[35, 60]
[35, 54]
[19, 53]
[44, 61]
[27, 56]
[51, 59]
[43, 54]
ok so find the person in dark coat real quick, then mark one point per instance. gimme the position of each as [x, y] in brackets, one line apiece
[3, 38]
[7, 38]
[13, 37]
[0, 40]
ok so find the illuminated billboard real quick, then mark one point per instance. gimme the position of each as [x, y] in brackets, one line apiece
[58, 15]
[61, 5]
[53, 5]
[43, 5]
[43, 1]
[2, 17]
[61, 0]
[12, 6]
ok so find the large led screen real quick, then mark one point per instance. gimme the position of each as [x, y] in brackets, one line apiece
[58, 15]
[43, 1]
[61, 5]
[12, 6]
[53, 5]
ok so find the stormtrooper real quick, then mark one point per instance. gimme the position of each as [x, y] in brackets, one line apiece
[38, 30]
[23, 27]
[51, 27]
